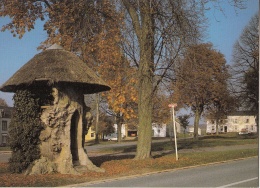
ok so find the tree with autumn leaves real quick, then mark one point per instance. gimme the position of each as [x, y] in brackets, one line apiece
[201, 81]
[156, 35]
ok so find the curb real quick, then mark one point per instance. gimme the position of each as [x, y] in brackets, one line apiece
[151, 173]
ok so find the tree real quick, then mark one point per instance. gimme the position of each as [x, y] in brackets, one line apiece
[200, 78]
[106, 125]
[184, 121]
[221, 105]
[122, 97]
[160, 29]
[246, 66]
[160, 107]
[3, 102]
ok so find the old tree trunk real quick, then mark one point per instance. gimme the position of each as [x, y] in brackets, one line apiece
[143, 23]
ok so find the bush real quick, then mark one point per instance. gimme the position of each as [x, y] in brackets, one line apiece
[24, 130]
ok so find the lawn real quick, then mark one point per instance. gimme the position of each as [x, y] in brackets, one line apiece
[124, 165]
[189, 143]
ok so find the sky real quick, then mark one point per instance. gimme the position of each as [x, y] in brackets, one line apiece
[224, 29]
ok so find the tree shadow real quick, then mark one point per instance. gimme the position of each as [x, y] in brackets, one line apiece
[99, 160]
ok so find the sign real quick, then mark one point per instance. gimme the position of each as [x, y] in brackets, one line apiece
[172, 105]
[174, 128]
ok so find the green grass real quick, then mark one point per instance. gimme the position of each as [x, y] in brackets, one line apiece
[189, 143]
[199, 158]
[5, 149]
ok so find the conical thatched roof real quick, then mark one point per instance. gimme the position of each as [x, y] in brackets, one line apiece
[55, 66]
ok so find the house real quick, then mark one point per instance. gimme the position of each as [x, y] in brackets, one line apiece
[234, 122]
[158, 130]
[179, 129]
[113, 136]
[5, 119]
[190, 130]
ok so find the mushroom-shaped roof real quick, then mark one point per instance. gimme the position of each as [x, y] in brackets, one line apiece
[55, 66]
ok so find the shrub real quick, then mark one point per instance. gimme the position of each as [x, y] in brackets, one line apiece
[25, 128]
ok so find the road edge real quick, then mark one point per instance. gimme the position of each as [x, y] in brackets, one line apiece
[155, 172]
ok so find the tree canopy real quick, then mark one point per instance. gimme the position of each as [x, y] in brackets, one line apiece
[152, 35]
[246, 65]
[201, 78]
[3, 102]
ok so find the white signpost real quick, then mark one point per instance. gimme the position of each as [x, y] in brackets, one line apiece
[174, 128]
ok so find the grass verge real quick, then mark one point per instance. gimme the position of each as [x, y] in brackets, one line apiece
[121, 167]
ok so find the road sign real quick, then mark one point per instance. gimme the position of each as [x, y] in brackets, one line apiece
[174, 128]
[172, 105]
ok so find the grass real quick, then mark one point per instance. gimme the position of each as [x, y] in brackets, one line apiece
[189, 143]
[5, 148]
[124, 165]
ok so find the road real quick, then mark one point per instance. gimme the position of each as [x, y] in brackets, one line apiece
[240, 173]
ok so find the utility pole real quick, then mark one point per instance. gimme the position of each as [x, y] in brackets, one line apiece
[174, 129]
[97, 119]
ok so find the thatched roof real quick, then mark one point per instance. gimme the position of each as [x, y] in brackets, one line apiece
[55, 66]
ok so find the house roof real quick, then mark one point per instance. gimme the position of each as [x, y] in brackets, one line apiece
[235, 113]
[6, 112]
[242, 113]
[55, 65]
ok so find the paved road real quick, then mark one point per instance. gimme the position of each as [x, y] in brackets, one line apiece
[241, 173]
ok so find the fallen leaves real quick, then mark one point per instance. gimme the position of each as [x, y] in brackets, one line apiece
[118, 166]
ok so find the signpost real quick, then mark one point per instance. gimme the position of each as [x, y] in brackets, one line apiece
[174, 128]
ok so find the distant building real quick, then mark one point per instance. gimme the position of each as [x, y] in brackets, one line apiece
[158, 130]
[234, 122]
[5, 119]
[190, 130]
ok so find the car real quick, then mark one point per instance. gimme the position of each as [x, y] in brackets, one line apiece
[244, 131]
[111, 137]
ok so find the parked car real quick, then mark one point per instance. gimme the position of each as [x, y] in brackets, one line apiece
[244, 131]
[111, 137]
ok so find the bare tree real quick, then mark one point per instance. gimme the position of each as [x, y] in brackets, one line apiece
[161, 30]
[246, 66]
[3, 102]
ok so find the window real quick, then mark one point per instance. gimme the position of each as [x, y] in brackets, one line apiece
[4, 138]
[92, 135]
[247, 120]
[213, 128]
[4, 125]
[212, 121]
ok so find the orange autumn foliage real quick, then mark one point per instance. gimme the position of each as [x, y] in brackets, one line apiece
[91, 29]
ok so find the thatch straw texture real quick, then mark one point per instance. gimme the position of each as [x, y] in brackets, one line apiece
[55, 66]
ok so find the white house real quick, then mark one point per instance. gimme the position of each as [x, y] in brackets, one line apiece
[234, 122]
[190, 129]
[158, 130]
[5, 119]
[123, 129]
